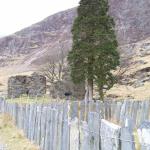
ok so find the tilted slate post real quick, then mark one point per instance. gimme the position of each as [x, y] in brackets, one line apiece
[110, 134]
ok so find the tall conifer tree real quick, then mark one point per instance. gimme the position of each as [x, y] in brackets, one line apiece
[94, 52]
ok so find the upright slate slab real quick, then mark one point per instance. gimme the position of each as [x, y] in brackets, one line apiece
[47, 130]
[127, 139]
[59, 127]
[123, 111]
[94, 130]
[26, 119]
[43, 127]
[82, 110]
[84, 136]
[55, 122]
[74, 110]
[110, 134]
[144, 135]
[66, 129]
[117, 112]
[134, 112]
[51, 127]
[33, 123]
[74, 134]
[38, 133]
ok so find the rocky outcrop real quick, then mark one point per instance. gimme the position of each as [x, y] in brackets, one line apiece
[40, 42]
[34, 85]
[132, 18]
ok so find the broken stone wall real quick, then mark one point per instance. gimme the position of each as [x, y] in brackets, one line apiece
[34, 85]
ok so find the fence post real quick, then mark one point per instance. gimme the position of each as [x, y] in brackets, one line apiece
[127, 138]
[144, 135]
[94, 130]
[74, 134]
[84, 136]
[66, 128]
[110, 134]
[43, 126]
[59, 127]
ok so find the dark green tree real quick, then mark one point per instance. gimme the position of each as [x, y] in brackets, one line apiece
[94, 53]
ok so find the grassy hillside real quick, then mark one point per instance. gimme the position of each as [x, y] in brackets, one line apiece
[12, 137]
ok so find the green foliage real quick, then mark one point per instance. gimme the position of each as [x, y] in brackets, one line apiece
[94, 53]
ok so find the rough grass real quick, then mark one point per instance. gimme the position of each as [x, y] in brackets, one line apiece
[12, 137]
[32, 100]
[123, 92]
[137, 144]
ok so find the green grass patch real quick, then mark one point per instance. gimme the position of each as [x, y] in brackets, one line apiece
[46, 99]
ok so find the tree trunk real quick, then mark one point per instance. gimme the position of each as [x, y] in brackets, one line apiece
[89, 90]
[90, 85]
[101, 94]
[86, 97]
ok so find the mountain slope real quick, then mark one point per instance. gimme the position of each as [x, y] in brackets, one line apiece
[41, 41]
[24, 51]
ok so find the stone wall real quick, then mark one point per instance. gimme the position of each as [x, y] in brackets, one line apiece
[34, 85]
[58, 88]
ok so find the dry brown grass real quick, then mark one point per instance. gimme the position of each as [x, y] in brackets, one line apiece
[120, 91]
[123, 92]
[8, 71]
[45, 99]
[136, 138]
[12, 137]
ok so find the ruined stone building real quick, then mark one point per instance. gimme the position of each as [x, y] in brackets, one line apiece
[34, 85]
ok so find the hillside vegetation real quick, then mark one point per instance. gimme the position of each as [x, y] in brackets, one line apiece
[13, 138]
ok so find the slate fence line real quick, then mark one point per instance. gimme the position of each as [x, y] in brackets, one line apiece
[81, 126]
[3, 147]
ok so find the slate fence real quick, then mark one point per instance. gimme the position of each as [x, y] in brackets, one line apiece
[3, 147]
[83, 126]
